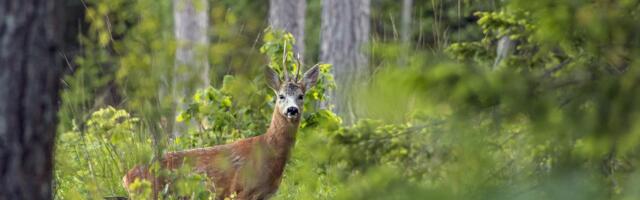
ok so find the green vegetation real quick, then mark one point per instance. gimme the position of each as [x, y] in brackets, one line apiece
[558, 119]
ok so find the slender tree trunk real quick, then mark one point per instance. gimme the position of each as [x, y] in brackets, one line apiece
[405, 32]
[289, 15]
[191, 70]
[30, 33]
[406, 22]
[345, 32]
[504, 49]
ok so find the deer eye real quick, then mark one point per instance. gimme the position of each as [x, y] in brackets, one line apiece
[300, 97]
[281, 96]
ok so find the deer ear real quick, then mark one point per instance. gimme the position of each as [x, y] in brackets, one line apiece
[272, 78]
[310, 77]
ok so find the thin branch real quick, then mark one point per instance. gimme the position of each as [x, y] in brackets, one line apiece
[109, 27]
[554, 69]
[83, 4]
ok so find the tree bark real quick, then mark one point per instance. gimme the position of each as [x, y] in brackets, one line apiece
[289, 15]
[191, 70]
[405, 34]
[30, 35]
[503, 50]
[345, 32]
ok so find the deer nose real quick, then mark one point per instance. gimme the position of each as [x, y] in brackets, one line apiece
[292, 111]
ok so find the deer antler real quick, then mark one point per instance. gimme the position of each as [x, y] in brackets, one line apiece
[284, 62]
[299, 66]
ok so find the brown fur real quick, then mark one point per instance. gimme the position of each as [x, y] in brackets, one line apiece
[251, 168]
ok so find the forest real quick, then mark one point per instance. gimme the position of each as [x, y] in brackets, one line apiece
[320, 99]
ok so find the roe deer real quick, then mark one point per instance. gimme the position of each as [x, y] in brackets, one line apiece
[252, 167]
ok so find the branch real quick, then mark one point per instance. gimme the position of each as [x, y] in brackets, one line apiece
[554, 69]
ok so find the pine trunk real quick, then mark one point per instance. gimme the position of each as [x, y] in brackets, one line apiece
[289, 15]
[345, 33]
[30, 69]
[191, 70]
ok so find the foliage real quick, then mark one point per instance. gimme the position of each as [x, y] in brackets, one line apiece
[220, 119]
[234, 111]
[575, 99]
[140, 190]
[127, 56]
[556, 120]
[92, 157]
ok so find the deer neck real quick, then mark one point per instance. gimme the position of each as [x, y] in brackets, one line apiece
[281, 134]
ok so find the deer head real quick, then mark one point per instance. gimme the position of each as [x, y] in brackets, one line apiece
[290, 91]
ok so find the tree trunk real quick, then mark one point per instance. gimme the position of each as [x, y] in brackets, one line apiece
[405, 34]
[191, 71]
[289, 15]
[503, 50]
[30, 68]
[345, 32]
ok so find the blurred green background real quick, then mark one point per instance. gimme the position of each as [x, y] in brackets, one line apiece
[440, 118]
